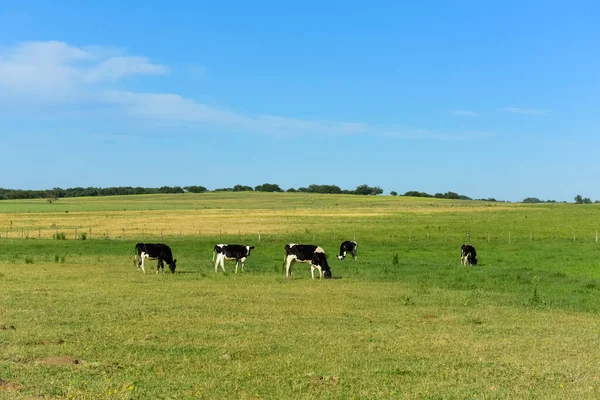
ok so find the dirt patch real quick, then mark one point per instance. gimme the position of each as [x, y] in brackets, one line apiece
[318, 381]
[64, 360]
[53, 341]
[6, 386]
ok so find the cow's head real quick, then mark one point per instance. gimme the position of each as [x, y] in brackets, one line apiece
[327, 273]
[342, 256]
[172, 266]
[249, 249]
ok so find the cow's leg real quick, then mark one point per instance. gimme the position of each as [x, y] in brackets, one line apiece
[312, 270]
[243, 261]
[216, 262]
[141, 262]
[236, 265]
[223, 263]
[288, 268]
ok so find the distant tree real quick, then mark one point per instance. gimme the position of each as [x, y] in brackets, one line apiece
[323, 189]
[578, 199]
[532, 200]
[169, 189]
[586, 200]
[291, 190]
[268, 187]
[224, 190]
[414, 193]
[195, 189]
[368, 190]
[242, 188]
[393, 193]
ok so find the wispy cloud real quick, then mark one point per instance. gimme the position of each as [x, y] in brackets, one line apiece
[463, 113]
[525, 111]
[427, 134]
[90, 80]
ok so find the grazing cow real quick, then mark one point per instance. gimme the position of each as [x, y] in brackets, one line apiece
[306, 253]
[468, 255]
[235, 252]
[159, 251]
[348, 246]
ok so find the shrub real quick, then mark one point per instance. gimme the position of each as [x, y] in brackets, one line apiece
[59, 236]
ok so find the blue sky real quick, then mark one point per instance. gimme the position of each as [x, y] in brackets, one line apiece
[487, 99]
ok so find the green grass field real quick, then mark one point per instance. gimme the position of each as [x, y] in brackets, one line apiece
[404, 320]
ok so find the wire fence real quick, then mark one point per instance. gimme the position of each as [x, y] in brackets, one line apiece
[89, 233]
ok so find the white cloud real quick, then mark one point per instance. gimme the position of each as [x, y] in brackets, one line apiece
[463, 113]
[172, 107]
[56, 71]
[116, 68]
[34, 75]
[525, 111]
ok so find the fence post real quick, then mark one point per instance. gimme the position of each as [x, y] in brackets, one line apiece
[355, 236]
[161, 235]
[22, 234]
[488, 237]
[596, 236]
[75, 234]
[508, 237]
[123, 233]
[468, 237]
[39, 233]
[90, 233]
[258, 236]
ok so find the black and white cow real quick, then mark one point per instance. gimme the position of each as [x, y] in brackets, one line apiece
[468, 255]
[235, 252]
[349, 246]
[306, 253]
[158, 251]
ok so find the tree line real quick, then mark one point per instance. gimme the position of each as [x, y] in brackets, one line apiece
[57, 193]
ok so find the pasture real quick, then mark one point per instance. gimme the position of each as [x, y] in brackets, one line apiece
[404, 320]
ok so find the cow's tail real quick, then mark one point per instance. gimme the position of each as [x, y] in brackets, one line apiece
[214, 254]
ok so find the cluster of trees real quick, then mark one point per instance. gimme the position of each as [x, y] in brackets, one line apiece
[58, 193]
[578, 200]
[582, 200]
[536, 200]
[328, 189]
[447, 195]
